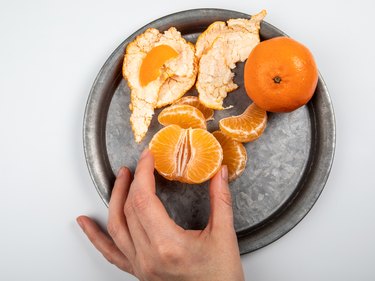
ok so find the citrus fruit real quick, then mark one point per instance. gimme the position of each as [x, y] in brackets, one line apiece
[154, 60]
[186, 155]
[245, 127]
[194, 101]
[186, 116]
[235, 155]
[280, 75]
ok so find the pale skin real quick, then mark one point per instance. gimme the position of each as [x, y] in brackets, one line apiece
[145, 242]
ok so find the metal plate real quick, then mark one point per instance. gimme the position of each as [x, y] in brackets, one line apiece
[287, 166]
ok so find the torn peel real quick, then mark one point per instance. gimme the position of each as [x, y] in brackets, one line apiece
[219, 49]
[159, 69]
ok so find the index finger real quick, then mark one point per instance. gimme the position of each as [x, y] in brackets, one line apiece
[148, 208]
[117, 225]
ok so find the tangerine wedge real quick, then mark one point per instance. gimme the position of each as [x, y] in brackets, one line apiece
[235, 155]
[245, 127]
[186, 116]
[186, 155]
[152, 63]
[194, 101]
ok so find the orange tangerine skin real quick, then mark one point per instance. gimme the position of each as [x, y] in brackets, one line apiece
[280, 75]
[152, 63]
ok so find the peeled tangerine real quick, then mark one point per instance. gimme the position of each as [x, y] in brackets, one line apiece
[186, 155]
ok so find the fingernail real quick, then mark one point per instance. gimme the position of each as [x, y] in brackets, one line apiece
[120, 172]
[224, 172]
[79, 221]
[144, 153]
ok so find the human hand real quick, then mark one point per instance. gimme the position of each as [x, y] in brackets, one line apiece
[144, 241]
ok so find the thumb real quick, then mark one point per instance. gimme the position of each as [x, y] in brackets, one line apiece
[221, 212]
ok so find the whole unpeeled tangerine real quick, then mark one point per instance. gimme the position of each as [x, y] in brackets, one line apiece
[280, 75]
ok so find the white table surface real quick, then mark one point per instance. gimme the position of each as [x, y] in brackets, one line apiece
[50, 53]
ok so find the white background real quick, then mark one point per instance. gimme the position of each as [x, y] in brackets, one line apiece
[50, 53]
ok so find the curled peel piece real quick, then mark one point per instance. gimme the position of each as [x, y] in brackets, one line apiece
[159, 69]
[219, 48]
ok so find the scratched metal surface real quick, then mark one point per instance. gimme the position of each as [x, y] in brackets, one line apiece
[287, 166]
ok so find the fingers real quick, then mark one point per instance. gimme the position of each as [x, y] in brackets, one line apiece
[144, 210]
[117, 225]
[104, 244]
[221, 212]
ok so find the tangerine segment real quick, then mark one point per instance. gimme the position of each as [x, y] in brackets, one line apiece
[164, 147]
[194, 101]
[186, 116]
[205, 158]
[235, 155]
[245, 127]
[187, 155]
[152, 63]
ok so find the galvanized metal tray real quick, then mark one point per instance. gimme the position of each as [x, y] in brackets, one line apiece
[287, 167]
